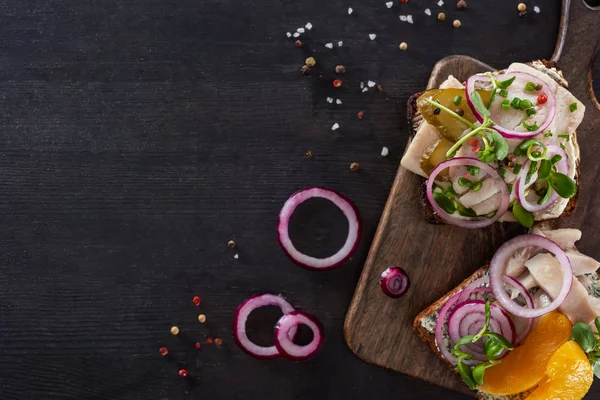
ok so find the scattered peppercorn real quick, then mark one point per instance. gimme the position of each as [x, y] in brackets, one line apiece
[196, 299]
[437, 111]
[197, 345]
[310, 62]
[183, 372]
[542, 98]
[218, 341]
[404, 1]
[461, 5]
[340, 69]
[441, 16]
[521, 7]
[174, 330]
[308, 154]
[209, 341]
[163, 351]
[403, 46]
[360, 114]
[456, 23]
[380, 88]
[298, 43]
[337, 83]
[305, 69]
[538, 86]
[354, 167]
[202, 318]
[460, 111]
[523, 14]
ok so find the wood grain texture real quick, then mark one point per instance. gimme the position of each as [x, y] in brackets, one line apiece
[437, 258]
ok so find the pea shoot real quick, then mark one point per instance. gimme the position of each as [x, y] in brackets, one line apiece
[496, 84]
[524, 217]
[589, 341]
[493, 346]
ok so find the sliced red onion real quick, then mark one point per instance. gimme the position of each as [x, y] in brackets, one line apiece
[522, 325]
[394, 282]
[439, 330]
[562, 166]
[241, 317]
[286, 345]
[464, 222]
[354, 228]
[473, 287]
[506, 132]
[498, 267]
[469, 315]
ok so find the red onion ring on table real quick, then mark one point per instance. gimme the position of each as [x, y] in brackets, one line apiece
[498, 272]
[394, 282]
[354, 228]
[528, 301]
[509, 133]
[562, 166]
[241, 317]
[467, 223]
[286, 345]
[468, 318]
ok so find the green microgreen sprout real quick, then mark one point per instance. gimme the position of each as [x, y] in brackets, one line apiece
[589, 341]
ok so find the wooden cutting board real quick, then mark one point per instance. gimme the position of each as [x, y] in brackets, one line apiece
[437, 258]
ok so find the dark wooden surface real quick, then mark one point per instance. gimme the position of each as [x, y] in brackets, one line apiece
[138, 137]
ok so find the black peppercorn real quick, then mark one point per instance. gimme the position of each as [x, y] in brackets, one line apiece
[460, 111]
[461, 5]
[437, 111]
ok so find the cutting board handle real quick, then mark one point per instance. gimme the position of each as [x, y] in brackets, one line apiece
[576, 49]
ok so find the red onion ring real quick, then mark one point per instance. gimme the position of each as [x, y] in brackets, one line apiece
[286, 345]
[528, 301]
[241, 317]
[498, 272]
[354, 228]
[394, 282]
[439, 330]
[508, 133]
[466, 223]
[476, 286]
[562, 166]
[470, 314]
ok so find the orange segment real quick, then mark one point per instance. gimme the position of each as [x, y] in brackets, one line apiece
[570, 375]
[525, 366]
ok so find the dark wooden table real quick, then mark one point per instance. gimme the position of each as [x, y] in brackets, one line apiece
[138, 137]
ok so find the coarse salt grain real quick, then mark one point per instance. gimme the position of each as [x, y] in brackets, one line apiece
[536, 9]
[441, 3]
[385, 151]
[288, 34]
[362, 85]
[365, 89]
[236, 256]
[340, 43]
[428, 11]
[350, 10]
[403, 18]
[296, 34]
[338, 101]
[330, 99]
[409, 19]
[301, 30]
[389, 4]
[371, 83]
[335, 126]
[329, 45]
[308, 26]
[372, 36]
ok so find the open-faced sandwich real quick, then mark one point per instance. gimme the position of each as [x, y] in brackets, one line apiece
[525, 326]
[499, 147]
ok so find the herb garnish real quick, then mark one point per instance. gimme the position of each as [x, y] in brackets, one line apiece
[573, 107]
[524, 217]
[589, 341]
[496, 84]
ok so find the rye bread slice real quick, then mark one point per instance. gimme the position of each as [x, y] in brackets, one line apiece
[415, 119]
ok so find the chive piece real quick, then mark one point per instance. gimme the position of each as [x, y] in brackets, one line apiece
[444, 202]
[477, 187]
[457, 99]
[536, 154]
[567, 137]
[530, 86]
[503, 93]
[525, 104]
[464, 182]
[562, 146]
[518, 152]
[505, 104]
[573, 107]
[532, 169]
[548, 134]
[505, 84]
[525, 144]
[502, 172]
[531, 128]
[517, 168]
[510, 186]
[556, 159]
[473, 170]
[515, 103]
[530, 111]
[466, 212]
